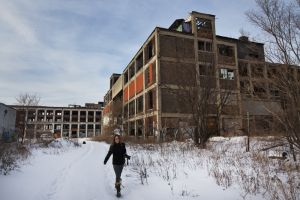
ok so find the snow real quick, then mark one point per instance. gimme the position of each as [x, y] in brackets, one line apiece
[67, 171]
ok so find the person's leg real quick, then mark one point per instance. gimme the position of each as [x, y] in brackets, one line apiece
[118, 171]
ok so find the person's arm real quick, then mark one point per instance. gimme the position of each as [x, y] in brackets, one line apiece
[125, 153]
[110, 151]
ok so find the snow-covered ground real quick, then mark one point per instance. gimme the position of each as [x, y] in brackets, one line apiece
[169, 171]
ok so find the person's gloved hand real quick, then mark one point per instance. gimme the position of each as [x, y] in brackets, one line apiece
[128, 157]
[104, 163]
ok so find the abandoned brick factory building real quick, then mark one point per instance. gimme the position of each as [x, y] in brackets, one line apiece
[142, 99]
[73, 121]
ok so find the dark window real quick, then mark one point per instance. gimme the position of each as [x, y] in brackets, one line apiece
[204, 46]
[201, 45]
[150, 50]
[245, 86]
[126, 77]
[132, 128]
[225, 50]
[206, 70]
[139, 61]
[125, 114]
[140, 127]
[208, 46]
[140, 104]
[243, 70]
[131, 71]
[257, 70]
[132, 108]
[150, 99]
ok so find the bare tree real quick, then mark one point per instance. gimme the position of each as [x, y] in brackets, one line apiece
[197, 93]
[25, 100]
[280, 22]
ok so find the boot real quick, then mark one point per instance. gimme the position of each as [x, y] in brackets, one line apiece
[118, 187]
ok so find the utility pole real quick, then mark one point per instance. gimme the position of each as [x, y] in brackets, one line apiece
[248, 133]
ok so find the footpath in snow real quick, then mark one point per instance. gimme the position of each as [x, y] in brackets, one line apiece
[78, 173]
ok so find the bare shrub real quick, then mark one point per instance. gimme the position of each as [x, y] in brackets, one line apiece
[10, 155]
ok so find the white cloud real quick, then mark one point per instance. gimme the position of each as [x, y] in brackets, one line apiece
[66, 50]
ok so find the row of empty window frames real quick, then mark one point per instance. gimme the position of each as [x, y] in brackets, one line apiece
[204, 46]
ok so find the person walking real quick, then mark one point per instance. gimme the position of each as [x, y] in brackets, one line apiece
[118, 150]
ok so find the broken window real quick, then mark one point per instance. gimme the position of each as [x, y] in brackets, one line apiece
[131, 71]
[259, 89]
[132, 108]
[126, 77]
[290, 74]
[181, 26]
[243, 69]
[132, 128]
[227, 74]
[203, 24]
[208, 46]
[225, 50]
[140, 104]
[125, 114]
[253, 55]
[150, 50]
[257, 70]
[201, 45]
[274, 91]
[204, 46]
[150, 99]
[186, 27]
[206, 70]
[245, 86]
[150, 126]
[272, 72]
[140, 127]
[139, 61]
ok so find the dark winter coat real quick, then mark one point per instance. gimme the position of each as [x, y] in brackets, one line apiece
[119, 153]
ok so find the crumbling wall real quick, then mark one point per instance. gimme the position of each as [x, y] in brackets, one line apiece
[174, 101]
[176, 47]
[177, 73]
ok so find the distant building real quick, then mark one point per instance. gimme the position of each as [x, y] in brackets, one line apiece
[7, 121]
[73, 121]
[142, 100]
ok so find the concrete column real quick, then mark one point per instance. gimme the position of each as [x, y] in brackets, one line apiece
[94, 117]
[70, 123]
[62, 123]
[94, 129]
[25, 122]
[45, 111]
[158, 83]
[86, 123]
[135, 128]
[44, 126]
[53, 119]
[70, 130]
[35, 124]
[78, 123]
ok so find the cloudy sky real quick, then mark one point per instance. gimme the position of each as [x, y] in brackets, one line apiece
[65, 50]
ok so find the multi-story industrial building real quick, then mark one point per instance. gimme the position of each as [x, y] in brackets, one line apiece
[141, 100]
[73, 121]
